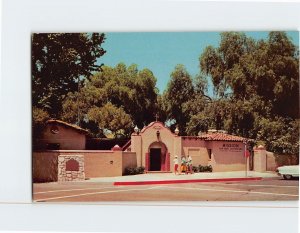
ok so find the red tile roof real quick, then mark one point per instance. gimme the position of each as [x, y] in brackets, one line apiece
[217, 137]
[80, 130]
[222, 137]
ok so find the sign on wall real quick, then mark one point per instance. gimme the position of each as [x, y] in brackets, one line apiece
[231, 147]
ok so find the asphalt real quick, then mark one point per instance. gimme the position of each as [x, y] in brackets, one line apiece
[150, 177]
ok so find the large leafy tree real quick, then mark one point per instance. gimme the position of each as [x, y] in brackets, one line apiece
[243, 69]
[259, 83]
[110, 117]
[124, 87]
[59, 61]
[179, 91]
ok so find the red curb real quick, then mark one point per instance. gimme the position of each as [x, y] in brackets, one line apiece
[184, 181]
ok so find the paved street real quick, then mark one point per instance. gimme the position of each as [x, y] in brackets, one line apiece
[267, 189]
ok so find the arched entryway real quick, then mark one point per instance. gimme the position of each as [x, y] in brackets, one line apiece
[157, 158]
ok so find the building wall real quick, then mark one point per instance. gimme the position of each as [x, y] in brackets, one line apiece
[199, 155]
[69, 139]
[227, 156]
[128, 160]
[149, 136]
[196, 148]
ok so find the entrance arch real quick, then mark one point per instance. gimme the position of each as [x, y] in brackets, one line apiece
[157, 158]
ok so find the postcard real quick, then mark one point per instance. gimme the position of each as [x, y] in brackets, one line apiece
[165, 116]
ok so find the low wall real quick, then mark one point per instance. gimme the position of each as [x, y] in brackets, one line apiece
[274, 160]
[96, 163]
[103, 164]
[44, 166]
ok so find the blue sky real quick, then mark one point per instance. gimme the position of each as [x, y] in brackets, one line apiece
[162, 51]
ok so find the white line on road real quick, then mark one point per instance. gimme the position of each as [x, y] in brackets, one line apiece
[232, 191]
[93, 193]
[69, 190]
[261, 185]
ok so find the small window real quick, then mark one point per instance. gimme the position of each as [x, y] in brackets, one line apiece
[209, 153]
[53, 146]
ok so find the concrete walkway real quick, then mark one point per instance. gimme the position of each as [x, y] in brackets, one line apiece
[172, 176]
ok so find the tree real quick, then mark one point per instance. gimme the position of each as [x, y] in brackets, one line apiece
[59, 61]
[179, 91]
[258, 82]
[39, 119]
[124, 87]
[243, 68]
[110, 117]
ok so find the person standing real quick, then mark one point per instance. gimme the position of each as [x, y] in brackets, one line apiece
[183, 164]
[190, 164]
[176, 165]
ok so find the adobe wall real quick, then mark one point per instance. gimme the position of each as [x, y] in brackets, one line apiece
[149, 136]
[228, 156]
[128, 160]
[69, 139]
[45, 166]
[196, 148]
[96, 163]
[271, 161]
[101, 163]
[260, 159]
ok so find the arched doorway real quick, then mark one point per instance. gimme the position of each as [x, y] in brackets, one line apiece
[157, 158]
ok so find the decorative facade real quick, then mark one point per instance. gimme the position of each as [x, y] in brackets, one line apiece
[156, 146]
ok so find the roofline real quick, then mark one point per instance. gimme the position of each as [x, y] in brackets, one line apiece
[154, 122]
[75, 127]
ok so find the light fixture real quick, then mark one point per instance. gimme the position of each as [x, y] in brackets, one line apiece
[157, 134]
[136, 129]
[176, 131]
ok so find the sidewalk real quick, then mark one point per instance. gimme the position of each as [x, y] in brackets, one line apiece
[190, 177]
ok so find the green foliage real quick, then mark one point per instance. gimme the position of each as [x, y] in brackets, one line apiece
[124, 87]
[111, 117]
[281, 134]
[201, 168]
[134, 170]
[179, 91]
[242, 68]
[257, 90]
[39, 118]
[59, 60]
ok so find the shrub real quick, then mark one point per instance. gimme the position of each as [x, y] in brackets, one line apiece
[195, 169]
[134, 170]
[205, 168]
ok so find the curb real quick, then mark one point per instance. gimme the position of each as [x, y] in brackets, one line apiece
[184, 181]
